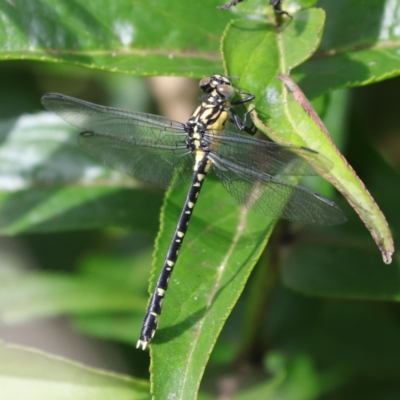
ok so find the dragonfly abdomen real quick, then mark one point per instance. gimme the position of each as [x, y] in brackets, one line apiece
[150, 322]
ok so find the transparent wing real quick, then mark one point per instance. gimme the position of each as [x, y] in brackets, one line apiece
[88, 116]
[268, 157]
[149, 147]
[274, 197]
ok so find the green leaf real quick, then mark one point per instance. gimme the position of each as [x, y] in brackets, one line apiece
[110, 286]
[34, 375]
[289, 118]
[257, 53]
[221, 247]
[351, 271]
[341, 263]
[131, 277]
[120, 327]
[360, 46]
[312, 130]
[55, 186]
[73, 208]
[148, 38]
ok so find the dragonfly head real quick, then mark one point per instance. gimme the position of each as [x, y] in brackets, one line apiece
[218, 85]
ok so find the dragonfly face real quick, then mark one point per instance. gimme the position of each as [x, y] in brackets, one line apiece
[160, 150]
[218, 83]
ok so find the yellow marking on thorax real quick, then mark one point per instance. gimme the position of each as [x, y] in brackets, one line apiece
[196, 112]
[219, 124]
[207, 113]
[203, 114]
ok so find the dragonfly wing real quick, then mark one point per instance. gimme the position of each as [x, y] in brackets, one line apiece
[88, 116]
[269, 157]
[148, 147]
[156, 163]
[274, 197]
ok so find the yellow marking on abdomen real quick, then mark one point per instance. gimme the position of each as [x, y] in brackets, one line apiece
[198, 157]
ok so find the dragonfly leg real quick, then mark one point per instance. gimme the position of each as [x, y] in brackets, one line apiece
[233, 3]
[277, 4]
[241, 125]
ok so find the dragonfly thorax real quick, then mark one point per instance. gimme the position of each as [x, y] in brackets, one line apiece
[210, 115]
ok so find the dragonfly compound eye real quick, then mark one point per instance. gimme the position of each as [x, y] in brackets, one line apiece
[205, 85]
[226, 91]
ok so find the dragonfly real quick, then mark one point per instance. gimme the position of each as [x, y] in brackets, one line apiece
[166, 152]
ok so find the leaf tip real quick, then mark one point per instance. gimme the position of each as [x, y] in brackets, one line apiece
[387, 256]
